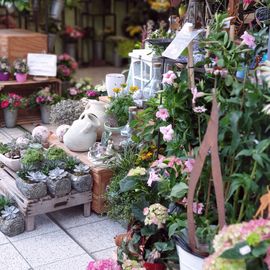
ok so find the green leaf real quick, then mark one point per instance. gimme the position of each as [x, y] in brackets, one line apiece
[258, 158]
[179, 190]
[245, 152]
[260, 249]
[148, 231]
[127, 184]
[234, 253]
[172, 229]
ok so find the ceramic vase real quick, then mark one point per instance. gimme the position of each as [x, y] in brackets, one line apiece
[4, 76]
[114, 80]
[21, 78]
[10, 117]
[45, 111]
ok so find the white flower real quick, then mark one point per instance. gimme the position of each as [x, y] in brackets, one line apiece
[199, 109]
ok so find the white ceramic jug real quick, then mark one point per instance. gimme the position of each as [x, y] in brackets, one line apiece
[83, 133]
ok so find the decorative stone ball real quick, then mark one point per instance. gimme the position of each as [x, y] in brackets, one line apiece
[41, 133]
[22, 142]
[61, 131]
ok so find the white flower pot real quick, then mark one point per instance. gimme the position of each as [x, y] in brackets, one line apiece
[13, 164]
[114, 80]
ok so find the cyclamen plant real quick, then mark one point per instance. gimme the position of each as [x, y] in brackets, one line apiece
[4, 65]
[20, 66]
[44, 96]
[11, 101]
[66, 67]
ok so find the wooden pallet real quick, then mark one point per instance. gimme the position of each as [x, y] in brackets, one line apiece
[32, 208]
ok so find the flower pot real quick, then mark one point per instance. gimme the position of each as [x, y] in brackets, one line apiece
[51, 41]
[65, 86]
[10, 117]
[187, 259]
[117, 60]
[81, 183]
[59, 187]
[45, 113]
[13, 226]
[56, 9]
[114, 80]
[4, 76]
[154, 266]
[21, 78]
[31, 190]
[70, 49]
[13, 164]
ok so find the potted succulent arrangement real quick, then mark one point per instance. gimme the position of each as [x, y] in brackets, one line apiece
[10, 155]
[81, 179]
[44, 98]
[11, 219]
[4, 69]
[10, 103]
[20, 70]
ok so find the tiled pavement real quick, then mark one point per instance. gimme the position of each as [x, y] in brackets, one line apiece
[63, 240]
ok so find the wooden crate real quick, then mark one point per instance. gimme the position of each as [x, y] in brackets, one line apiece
[17, 43]
[31, 208]
[101, 176]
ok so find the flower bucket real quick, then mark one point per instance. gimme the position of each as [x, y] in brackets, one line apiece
[81, 183]
[13, 226]
[187, 259]
[31, 190]
[45, 113]
[59, 187]
[154, 266]
[21, 78]
[4, 76]
[10, 117]
[13, 164]
[56, 9]
[51, 41]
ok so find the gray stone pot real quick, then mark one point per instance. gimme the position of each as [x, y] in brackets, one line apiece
[56, 9]
[51, 41]
[45, 113]
[10, 117]
[31, 190]
[59, 187]
[12, 227]
[81, 183]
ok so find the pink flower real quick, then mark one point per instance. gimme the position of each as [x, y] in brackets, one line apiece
[107, 264]
[189, 165]
[73, 91]
[162, 114]
[196, 94]
[4, 104]
[146, 211]
[247, 2]
[167, 133]
[91, 93]
[197, 208]
[169, 77]
[249, 40]
[153, 177]
[173, 161]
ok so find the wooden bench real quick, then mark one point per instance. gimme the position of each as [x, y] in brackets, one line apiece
[48, 204]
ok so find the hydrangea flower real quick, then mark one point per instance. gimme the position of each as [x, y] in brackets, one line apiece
[156, 214]
[137, 171]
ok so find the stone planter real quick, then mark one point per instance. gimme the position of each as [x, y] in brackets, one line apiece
[13, 226]
[10, 117]
[13, 164]
[59, 187]
[45, 111]
[31, 190]
[81, 183]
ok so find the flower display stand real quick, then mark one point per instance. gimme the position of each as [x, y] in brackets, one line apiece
[48, 204]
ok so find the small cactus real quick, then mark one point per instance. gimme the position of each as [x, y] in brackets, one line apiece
[82, 169]
[37, 177]
[57, 173]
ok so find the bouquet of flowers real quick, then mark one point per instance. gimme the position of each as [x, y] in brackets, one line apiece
[20, 66]
[73, 33]
[11, 101]
[44, 96]
[66, 67]
[4, 65]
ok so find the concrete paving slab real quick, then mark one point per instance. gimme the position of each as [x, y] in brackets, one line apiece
[109, 253]
[3, 239]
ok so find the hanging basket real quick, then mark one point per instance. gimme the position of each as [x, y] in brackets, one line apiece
[13, 226]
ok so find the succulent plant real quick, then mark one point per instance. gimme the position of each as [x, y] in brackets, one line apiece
[9, 212]
[4, 202]
[55, 153]
[66, 112]
[32, 157]
[37, 176]
[57, 173]
[81, 169]
[70, 163]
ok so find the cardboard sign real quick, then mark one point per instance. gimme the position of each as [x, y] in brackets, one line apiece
[42, 64]
[181, 41]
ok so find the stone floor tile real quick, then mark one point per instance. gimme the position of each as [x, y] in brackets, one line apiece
[73, 217]
[4, 138]
[43, 224]
[97, 236]
[109, 253]
[48, 248]
[10, 259]
[79, 262]
[3, 239]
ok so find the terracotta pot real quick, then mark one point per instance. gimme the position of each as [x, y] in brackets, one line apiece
[21, 78]
[4, 76]
[154, 266]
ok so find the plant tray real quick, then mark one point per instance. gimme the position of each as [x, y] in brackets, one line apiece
[32, 208]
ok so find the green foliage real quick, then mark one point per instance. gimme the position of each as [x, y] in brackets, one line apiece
[124, 47]
[4, 201]
[32, 157]
[4, 148]
[56, 154]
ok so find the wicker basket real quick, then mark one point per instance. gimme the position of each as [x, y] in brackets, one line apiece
[81, 183]
[31, 190]
[13, 226]
[59, 187]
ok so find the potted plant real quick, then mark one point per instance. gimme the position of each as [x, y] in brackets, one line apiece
[44, 98]
[4, 69]
[10, 103]
[11, 219]
[81, 179]
[32, 184]
[58, 182]
[20, 70]
[33, 158]
[10, 155]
